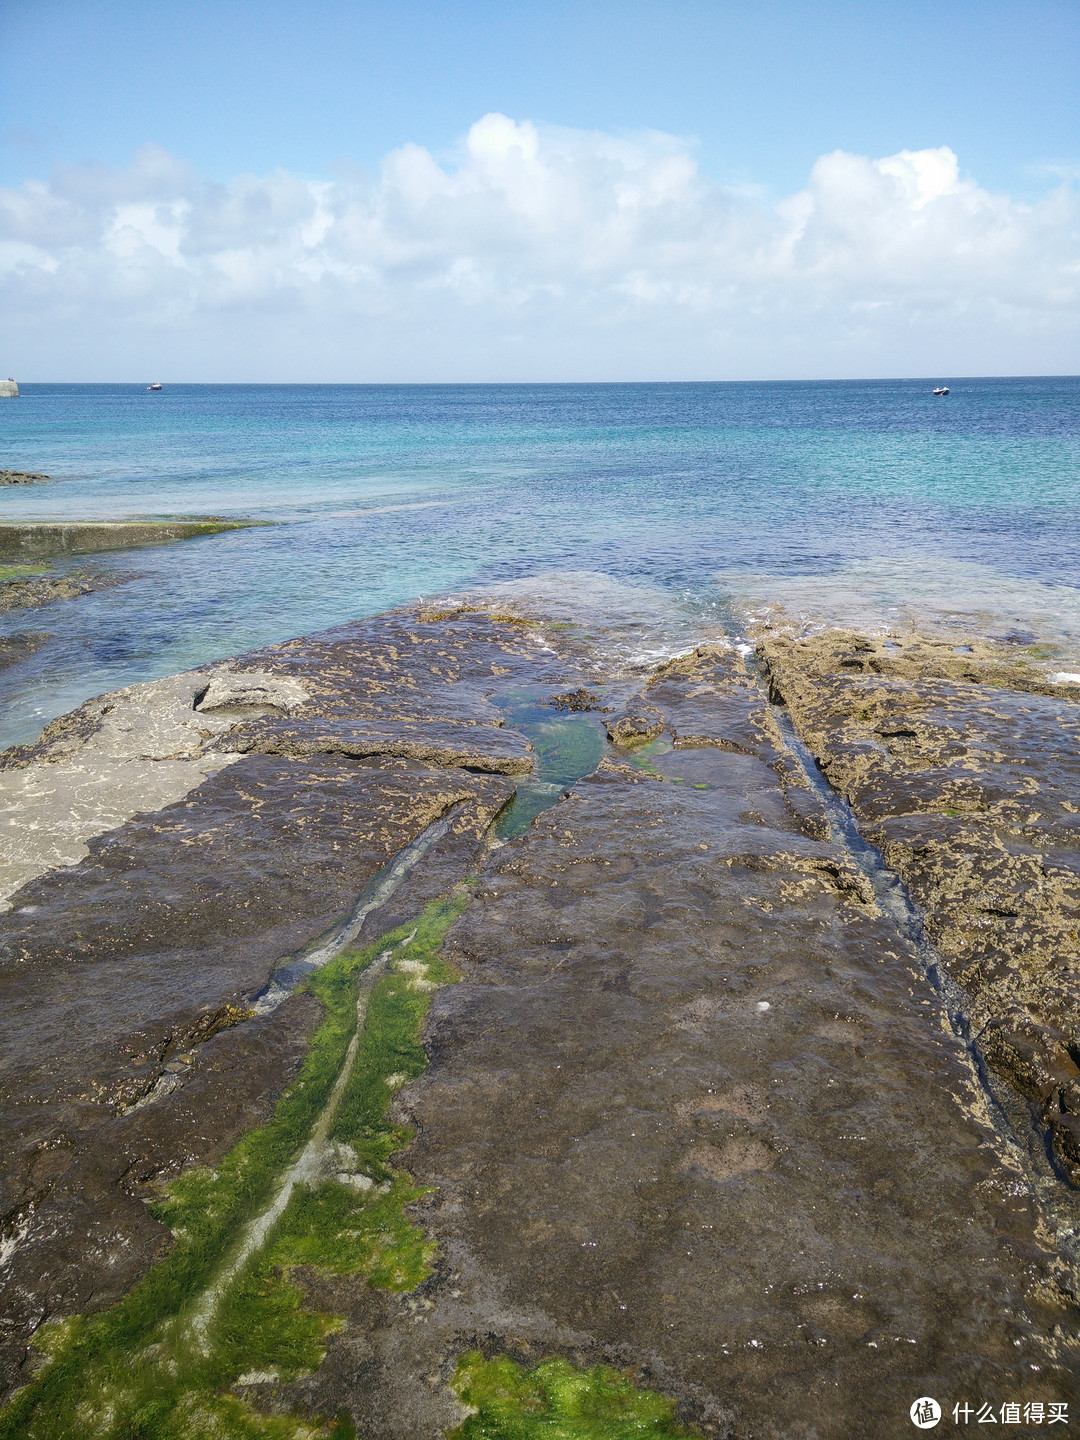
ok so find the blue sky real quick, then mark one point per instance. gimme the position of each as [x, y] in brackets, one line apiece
[127, 131]
[763, 87]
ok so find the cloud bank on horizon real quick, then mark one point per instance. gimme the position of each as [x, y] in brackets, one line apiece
[538, 254]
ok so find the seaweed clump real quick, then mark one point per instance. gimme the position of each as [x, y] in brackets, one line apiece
[557, 1401]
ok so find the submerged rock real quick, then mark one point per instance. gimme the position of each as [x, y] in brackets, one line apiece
[14, 648]
[39, 539]
[29, 592]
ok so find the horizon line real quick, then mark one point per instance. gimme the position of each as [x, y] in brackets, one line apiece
[512, 384]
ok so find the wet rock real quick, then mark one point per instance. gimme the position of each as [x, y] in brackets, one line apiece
[14, 648]
[37, 539]
[22, 477]
[694, 1111]
[638, 723]
[436, 742]
[963, 766]
[576, 700]
[140, 931]
[154, 947]
[708, 698]
[26, 594]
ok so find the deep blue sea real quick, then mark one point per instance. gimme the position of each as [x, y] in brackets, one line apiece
[662, 510]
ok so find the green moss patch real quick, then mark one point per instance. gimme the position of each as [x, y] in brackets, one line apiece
[146, 1370]
[22, 572]
[556, 1401]
[166, 1363]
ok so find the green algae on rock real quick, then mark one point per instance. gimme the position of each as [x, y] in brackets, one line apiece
[147, 1367]
[555, 1399]
[694, 1116]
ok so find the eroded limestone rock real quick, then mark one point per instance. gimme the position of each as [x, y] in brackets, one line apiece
[158, 881]
[963, 766]
[694, 1109]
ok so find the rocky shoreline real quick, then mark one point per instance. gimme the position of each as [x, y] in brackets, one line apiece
[46, 539]
[698, 1107]
[29, 591]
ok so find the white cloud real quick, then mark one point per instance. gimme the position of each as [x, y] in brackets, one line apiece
[539, 254]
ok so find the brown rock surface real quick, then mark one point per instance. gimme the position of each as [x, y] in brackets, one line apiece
[14, 648]
[962, 765]
[126, 978]
[695, 1111]
[694, 1108]
[28, 594]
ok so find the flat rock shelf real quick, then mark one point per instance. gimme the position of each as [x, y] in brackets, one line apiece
[45, 539]
[736, 1095]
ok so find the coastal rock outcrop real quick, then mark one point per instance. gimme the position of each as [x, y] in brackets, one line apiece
[694, 1108]
[30, 591]
[638, 723]
[41, 539]
[961, 762]
[138, 936]
[694, 1111]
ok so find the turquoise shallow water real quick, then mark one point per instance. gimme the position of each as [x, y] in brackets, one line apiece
[654, 507]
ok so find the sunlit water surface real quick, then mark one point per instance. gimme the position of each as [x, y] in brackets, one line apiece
[654, 512]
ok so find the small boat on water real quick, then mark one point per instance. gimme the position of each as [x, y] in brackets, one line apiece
[941, 390]
[157, 385]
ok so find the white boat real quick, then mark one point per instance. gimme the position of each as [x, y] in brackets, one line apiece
[941, 390]
[158, 386]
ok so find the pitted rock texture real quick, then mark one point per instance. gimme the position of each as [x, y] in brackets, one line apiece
[28, 593]
[963, 766]
[694, 1111]
[638, 723]
[133, 947]
[416, 687]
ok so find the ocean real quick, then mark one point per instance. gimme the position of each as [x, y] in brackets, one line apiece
[662, 513]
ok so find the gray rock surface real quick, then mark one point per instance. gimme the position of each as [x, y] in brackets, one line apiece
[155, 881]
[41, 539]
[694, 1110]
